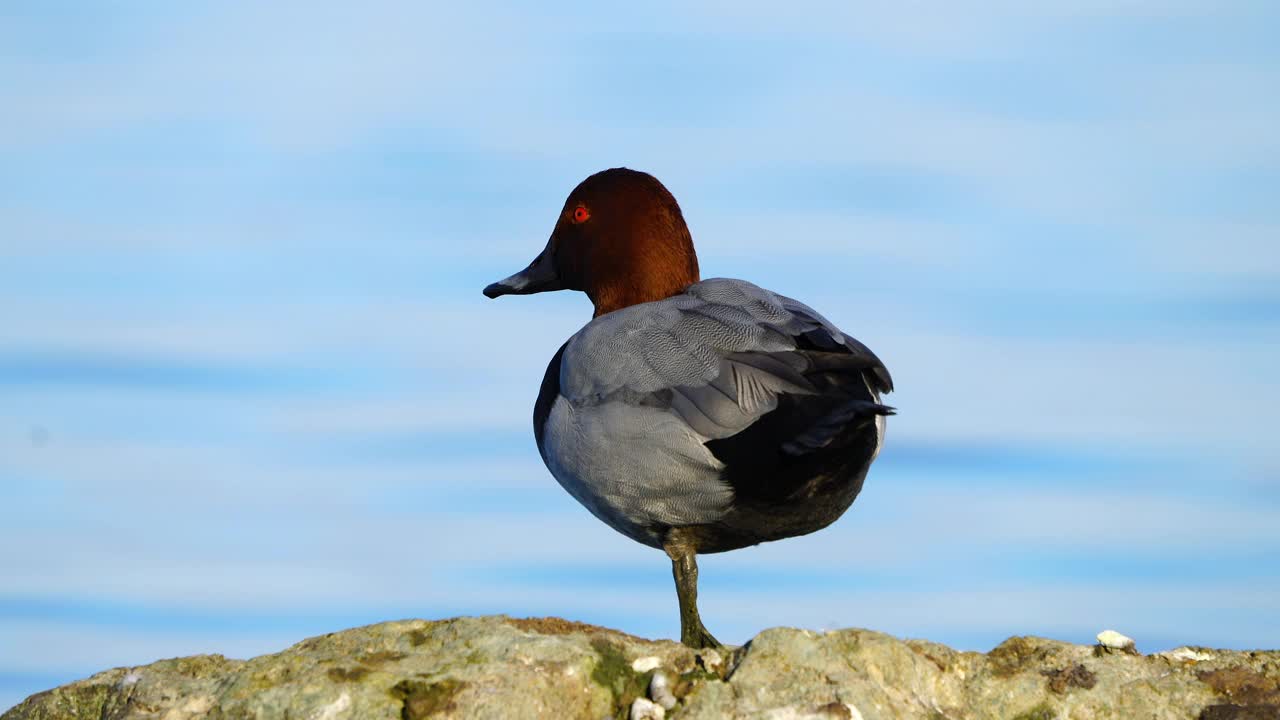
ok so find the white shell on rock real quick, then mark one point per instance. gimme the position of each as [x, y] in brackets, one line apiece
[1186, 654]
[1113, 639]
[643, 709]
[660, 691]
[645, 664]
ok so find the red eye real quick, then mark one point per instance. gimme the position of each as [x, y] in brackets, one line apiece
[580, 214]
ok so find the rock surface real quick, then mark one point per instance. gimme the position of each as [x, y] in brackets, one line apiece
[499, 667]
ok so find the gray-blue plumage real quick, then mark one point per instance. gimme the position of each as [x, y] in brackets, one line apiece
[636, 402]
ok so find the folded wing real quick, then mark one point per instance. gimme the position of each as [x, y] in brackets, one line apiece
[758, 377]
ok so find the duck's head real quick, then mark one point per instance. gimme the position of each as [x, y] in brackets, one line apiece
[620, 238]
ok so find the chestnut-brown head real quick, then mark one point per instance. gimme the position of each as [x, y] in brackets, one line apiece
[620, 238]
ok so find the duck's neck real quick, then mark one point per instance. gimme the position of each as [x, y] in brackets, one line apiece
[616, 297]
[641, 272]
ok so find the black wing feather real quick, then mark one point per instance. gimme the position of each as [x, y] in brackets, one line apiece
[807, 434]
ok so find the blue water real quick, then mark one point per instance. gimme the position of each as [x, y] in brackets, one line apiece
[250, 391]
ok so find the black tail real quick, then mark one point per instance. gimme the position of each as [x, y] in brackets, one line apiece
[822, 433]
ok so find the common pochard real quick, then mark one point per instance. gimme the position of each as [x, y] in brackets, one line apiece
[694, 416]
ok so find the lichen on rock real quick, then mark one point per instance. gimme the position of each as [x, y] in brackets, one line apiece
[500, 667]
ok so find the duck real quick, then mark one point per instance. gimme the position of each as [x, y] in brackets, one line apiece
[693, 416]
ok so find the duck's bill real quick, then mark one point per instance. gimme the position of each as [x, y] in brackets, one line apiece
[540, 276]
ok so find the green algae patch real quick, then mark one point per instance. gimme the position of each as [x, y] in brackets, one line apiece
[74, 702]
[1040, 712]
[342, 674]
[381, 657]
[688, 682]
[284, 669]
[197, 666]
[419, 636]
[1011, 656]
[424, 699]
[614, 673]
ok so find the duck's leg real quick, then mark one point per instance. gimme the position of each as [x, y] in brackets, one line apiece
[684, 567]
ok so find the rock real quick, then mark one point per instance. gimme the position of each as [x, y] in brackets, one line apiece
[710, 659]
[642, 709]
[499, 667]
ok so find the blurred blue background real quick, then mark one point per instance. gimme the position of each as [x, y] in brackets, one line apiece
[250, 390]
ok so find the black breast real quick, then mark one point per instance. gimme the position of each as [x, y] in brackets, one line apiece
[546, 398]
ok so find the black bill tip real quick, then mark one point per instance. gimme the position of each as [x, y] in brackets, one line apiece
[497, 289]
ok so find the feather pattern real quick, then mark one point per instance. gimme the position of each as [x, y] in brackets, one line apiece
[644, 409]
